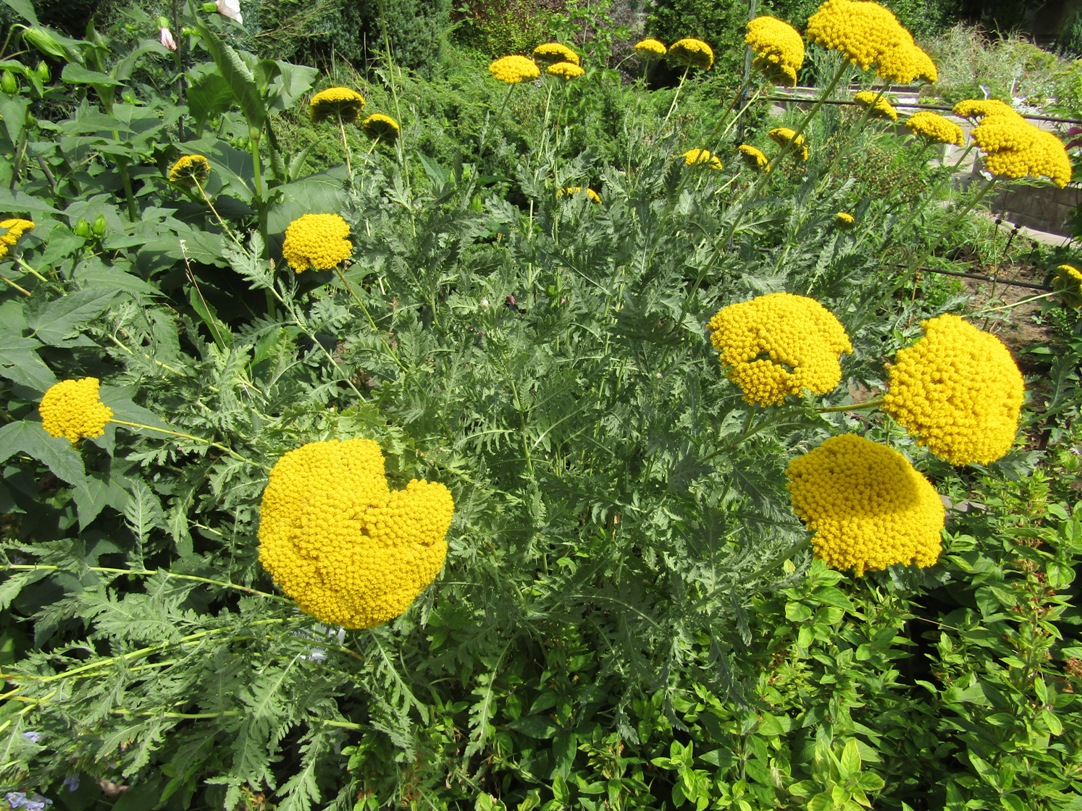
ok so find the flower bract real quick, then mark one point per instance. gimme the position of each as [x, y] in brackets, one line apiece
[380, 127]
[552, 53]
[190, 170]
[867, 505]
[702, 157]
[514, 69]
[12, 230]
[336, 539]
[935, 128]
[317, 241]
[778, 345]
[958, 391]
[73, 409]
[778, 49]
[692, 53]
[337, 103]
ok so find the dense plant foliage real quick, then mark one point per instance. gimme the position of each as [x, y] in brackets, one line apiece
[510, 297]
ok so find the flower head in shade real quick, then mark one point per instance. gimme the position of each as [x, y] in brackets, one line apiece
[958, 391]
[650, 48]
[337, 103]
[783, 135]
[1014, 148]
[553, 52]
[10, 231]
[381, 128]
[692, 53]
[565, 70]
[779, 344]
[754, 157]
[844, 220]
[935, 128]
[1068, 283]
[976, 109]
[778, 49]
[702, 157]
[867, 505]
[190, 170]
[342, 544]
[591, 195]
[514, 69]
[73, 409]
[879, 106]
[317, 241]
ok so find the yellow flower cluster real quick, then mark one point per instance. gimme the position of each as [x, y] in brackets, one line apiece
[697, 157]
[692, 53]
[879, 106]
[1014, 148]
[73, 409]
[844, 220]
[336, 103]
[13, 229]
[190, 169]
[977, 109]
[958, 391]
[754, 157]
[779, 344]
[514, 69]
[553, 52]
[783, 135]
[317, 241]
[870, 36]
[1068, 283]
[778, 48]
[380, 127]
[591, 195]
[650, 48]
[935, 127]
[336, 539]
[867, 505]
[565, 70]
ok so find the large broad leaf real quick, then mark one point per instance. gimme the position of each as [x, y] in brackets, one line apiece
[324, 192]
[24, 8]
[75, 73]
[290, 83]
[13, 115]
[209, 95]
[59, 320]
[54, 452]
[20, 363]
[241, 80]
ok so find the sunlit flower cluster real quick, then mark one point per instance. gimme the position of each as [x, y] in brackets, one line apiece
[778, 49]
[73, 409]
[12, 230]
[338, 541]
[1068, 283]
[337, 103]
[1013, 148]
[779, 344]
[317, 241]
[702, 157]
[381, 128]
[514, 69]
[591, 195]
[754, 157]
[879, 106]
[782, 136]
[867, 505]
[958, 391]
[565, 71]
[870, 36]
[976, 109]
[552, 53]
[650, 48]
[692, 53]
[190, 169]
[935, 128]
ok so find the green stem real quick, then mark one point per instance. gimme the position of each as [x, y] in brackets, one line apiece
[1019, 303]
[225, 584]
[875, 402]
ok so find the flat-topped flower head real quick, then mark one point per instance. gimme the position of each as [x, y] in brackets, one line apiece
[783, 135]
[778, 345]
[553, 52]
[976, 109]
[844, 220]
[337, 103]
[935, 127]
[336, 539]
[565, 71]
[591, 195]
[867, 505]
[73, 409]
[754, 157]
[778, 49]
[957, 391]
[317, 242]
[514, 69]
[1014, 148]
[381, 128]
[10, 231]
[702, 157]
[692, 53]
[879, 107]
[650, 48]
[190, 170]
[1068, 283]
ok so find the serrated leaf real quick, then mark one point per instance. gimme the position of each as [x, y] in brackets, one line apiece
[56, 453]
[61, 318]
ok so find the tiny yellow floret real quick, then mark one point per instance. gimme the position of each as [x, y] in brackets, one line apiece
[957, 391]
[342, 544]
[867, 505]
[317, 241]
[514, 69]
[336, 103]
[73, 409]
